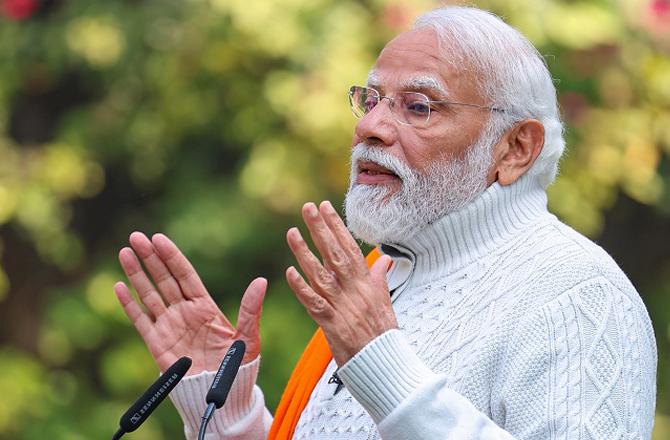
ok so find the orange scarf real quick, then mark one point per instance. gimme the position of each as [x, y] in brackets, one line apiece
[306, 374]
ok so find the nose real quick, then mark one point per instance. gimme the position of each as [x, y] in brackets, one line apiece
[377, 127]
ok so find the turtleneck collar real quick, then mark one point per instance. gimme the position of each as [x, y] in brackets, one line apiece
[478, 228]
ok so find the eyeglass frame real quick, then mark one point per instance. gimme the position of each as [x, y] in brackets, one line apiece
[427, 100]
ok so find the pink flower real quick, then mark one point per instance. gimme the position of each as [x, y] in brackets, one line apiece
[18, 9]
[660, 8]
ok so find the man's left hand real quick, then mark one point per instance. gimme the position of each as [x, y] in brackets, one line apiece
[350, 302]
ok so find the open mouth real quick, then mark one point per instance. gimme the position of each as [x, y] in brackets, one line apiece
[371, 173]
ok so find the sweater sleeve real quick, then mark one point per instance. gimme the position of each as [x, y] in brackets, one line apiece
[242, 417]
[583, 363]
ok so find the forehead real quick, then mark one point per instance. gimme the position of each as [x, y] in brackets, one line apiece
[416, 57]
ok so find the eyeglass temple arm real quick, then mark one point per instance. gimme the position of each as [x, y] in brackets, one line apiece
[495, 109]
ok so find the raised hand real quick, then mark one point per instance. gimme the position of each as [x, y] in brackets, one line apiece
[350, 302]
[180, 318]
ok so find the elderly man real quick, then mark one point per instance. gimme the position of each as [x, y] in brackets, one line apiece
[483, 318]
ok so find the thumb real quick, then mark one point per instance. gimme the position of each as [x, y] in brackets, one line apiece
[379, 269]
[251, 307]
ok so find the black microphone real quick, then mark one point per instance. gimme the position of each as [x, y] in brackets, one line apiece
[218, 392]
[152, 397]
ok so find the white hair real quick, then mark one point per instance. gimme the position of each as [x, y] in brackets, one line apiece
[511, 72]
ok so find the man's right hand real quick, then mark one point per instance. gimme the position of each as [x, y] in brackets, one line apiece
[180, 318]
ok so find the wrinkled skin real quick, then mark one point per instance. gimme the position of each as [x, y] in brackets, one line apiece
[180, 318]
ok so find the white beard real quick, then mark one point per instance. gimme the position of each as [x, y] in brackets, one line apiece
[376, 216]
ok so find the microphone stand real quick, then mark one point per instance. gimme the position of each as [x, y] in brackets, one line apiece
[205, 420]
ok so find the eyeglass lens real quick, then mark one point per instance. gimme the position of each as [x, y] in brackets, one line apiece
[408, 107]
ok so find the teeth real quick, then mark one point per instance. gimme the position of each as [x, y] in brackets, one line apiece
[375, 172]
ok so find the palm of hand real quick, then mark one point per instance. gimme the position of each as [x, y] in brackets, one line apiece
[196, 329]
[182, 318]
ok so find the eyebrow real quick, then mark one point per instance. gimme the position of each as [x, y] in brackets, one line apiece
[373, 79]
[424, 84]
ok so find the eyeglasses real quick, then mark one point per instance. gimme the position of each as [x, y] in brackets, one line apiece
[409, 108]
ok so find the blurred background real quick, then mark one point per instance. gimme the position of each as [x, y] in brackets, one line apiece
[213, 121]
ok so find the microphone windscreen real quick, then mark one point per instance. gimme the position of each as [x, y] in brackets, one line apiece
[226, 375]
[154, 395]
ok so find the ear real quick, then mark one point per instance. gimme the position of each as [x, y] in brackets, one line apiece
[517, 150]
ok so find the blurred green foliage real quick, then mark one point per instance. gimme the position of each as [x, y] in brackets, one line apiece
[213, 121]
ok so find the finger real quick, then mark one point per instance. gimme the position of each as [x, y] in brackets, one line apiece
[251, 307]
[320, 277]
[139, 280]
[133, 311]
[316, 305]
[379, 270]
[324, 240]
[341, 233]
[165, 282]
[188, 279]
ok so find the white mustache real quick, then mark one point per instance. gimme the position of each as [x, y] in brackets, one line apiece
[366, 153]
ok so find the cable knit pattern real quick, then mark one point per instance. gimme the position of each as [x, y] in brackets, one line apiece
[512, 325]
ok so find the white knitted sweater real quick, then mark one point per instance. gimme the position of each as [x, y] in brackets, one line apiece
[512, 325]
